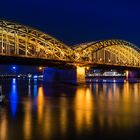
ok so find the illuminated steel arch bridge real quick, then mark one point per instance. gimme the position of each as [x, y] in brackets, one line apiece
[24, 42]
[109, 52]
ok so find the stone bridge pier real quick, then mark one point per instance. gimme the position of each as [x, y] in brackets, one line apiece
[69, 76]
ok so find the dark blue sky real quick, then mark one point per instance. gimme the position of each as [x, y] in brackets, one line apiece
[76, 21]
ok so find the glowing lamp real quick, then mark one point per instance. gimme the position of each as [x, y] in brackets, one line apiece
[14, 68]
[40, 68]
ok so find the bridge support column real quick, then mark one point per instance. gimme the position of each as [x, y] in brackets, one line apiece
[132, 74]
[80, 74]
[69, 76]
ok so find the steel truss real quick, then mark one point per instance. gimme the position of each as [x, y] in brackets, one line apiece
[110, 52]
[22, 41]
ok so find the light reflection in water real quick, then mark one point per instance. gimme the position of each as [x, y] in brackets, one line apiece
[40, 103]
[14, 97]
[48, 122]
[84, 109]
[117, 109]
[27, 119]
[104, 106]
[3, 127]
[35, 87]
[63, 115]
[29, 87]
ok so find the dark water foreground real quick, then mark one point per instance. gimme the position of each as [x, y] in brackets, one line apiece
[94, 111]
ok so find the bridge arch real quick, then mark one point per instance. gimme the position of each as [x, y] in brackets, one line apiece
[109, 52]
[22, 41]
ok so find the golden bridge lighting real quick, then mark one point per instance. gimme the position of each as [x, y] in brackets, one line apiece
[31, 43]
[127, 73]
[87, 68]
[40, 68]
[115, 52]
[80, 74]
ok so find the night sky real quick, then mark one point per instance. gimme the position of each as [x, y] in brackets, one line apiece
[77, 21]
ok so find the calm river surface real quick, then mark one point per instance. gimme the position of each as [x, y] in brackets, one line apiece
[94, 111]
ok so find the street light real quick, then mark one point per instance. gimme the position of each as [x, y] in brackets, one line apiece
[14, 70]
[40, 68]
[13, 67]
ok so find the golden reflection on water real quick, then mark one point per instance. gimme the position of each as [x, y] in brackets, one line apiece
[40, 103]
[3, 127]
[120, 108]
[100, 106]
[63, 115]
[84, 109]
[114, 106]
[28, 119]
[47, 122]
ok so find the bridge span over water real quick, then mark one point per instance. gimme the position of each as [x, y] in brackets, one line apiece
[24, 45]
[24, 42]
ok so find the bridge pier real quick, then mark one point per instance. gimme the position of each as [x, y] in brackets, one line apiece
[132, 74]
[68, 76]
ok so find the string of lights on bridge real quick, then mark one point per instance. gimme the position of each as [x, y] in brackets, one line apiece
[25, 42]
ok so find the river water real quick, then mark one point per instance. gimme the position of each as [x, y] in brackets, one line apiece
[93, 111]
